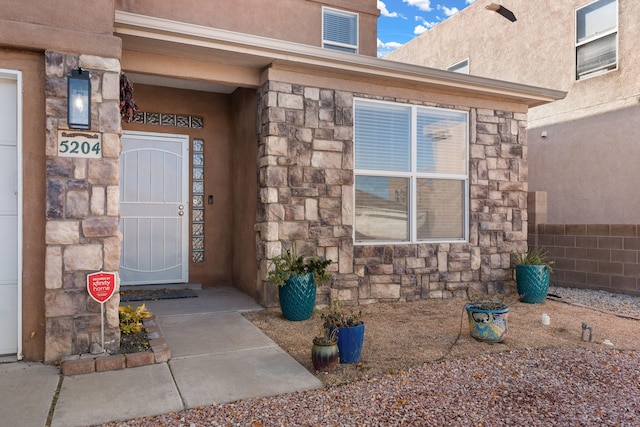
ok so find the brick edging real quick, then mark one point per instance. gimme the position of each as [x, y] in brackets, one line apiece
[86, 363]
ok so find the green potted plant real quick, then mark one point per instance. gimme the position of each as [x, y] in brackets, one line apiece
[296, 278]
[533, 269]
[324, 353]
[349, 327]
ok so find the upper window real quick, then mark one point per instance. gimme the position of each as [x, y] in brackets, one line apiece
[596, 38]
[411, 173]
[339, 30]
[461, 67]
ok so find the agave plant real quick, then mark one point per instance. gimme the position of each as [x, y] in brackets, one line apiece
[537, 256]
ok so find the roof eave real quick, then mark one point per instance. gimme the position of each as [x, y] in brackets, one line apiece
[264, 51]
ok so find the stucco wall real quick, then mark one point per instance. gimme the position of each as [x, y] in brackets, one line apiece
[292, 20]
[588, 168]
[538, 49]
[63, 25]
[244, 184]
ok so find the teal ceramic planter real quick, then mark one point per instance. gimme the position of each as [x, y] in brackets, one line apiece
[488, 321]
[532, 282]
[298, 297]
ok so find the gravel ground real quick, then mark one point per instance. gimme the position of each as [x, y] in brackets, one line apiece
[524, 387]
[619, 304]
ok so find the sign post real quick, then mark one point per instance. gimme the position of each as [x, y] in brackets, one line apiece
[101, 287]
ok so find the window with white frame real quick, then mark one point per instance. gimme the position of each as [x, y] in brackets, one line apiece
[411, 173]
[596, 38]
[339, 30]
[460, 67]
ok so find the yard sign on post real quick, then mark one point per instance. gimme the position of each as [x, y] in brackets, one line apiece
[101, 287]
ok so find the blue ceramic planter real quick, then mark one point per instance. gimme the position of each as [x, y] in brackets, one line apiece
[532, 282]
[298, 297]
[488, 322]
[350, 342]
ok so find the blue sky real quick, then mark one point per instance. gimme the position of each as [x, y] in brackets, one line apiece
[402, 20]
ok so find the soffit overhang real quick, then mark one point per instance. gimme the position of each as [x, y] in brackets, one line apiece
[160, 36]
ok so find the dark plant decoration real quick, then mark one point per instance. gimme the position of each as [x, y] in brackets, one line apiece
[336, 316]
[128, 106]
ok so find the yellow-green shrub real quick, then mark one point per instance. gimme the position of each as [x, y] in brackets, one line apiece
[131, 319]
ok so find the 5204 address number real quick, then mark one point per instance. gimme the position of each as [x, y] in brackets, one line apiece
[79, 144]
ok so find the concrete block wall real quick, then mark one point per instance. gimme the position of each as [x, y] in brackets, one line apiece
[593, 256]
[587, 256]
[306, 199]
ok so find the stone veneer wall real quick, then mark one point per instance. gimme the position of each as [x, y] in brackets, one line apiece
[306, 198]
[592, 256]
[82, 210]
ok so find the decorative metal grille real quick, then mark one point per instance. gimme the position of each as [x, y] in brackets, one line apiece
[162, 119]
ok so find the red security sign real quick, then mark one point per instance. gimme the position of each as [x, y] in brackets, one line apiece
[101, 286]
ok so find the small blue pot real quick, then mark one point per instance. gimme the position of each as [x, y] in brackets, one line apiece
[350, 343]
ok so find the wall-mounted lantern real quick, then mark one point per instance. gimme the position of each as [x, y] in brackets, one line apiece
[79, 99]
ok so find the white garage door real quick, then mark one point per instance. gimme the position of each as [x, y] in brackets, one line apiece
[10, 213]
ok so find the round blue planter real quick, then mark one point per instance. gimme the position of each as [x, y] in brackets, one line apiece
[532, 282]
[298, 297]
[350, 342]
[488, 322]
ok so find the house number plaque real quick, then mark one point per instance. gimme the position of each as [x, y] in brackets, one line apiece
[79, 144]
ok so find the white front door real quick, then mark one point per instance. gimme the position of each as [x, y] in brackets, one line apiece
[154, 210]
[10, 214]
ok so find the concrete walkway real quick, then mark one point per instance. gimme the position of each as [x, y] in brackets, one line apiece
[217, 356]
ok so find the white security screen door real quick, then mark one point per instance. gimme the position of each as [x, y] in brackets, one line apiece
[154, 212]
[10, 214]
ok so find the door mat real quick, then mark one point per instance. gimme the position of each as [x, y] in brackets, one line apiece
[155, 294]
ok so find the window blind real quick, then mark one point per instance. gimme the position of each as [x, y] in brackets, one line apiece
[383, 137]
[441, 141]
[340, 27]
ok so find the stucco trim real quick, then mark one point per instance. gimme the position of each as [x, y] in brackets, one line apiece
[35, 36]
[258, 52]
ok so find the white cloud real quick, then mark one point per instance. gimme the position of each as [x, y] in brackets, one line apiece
[448, 11]
[419, 29]
[470, 1]
[385, 12]
[423, 26]
[392, 45]
[385, 48]
[424, 5]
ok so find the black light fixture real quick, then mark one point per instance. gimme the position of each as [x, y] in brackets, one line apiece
[498, 8]
[79, 99]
